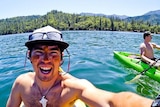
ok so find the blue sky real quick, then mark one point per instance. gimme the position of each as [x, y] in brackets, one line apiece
[13, 8]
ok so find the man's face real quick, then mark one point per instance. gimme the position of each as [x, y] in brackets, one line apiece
[149, 37]
[46, 61]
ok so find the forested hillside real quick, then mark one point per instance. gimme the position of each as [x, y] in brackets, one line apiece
[65, 21]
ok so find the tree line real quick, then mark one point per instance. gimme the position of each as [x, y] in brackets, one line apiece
[65, 21]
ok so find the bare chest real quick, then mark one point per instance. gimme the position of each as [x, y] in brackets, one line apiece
[149, 47]
[56, 97]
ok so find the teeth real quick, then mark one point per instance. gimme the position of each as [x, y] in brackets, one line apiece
[45, 68]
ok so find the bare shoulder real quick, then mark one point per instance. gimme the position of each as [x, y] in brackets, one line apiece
[142, 45]
[25, 78]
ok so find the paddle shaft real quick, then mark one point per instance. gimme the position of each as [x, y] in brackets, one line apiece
[150, 66]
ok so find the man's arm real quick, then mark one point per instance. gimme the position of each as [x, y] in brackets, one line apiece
[156, 46]
[144, 58]
[129, 99]
[88, 93]
[14, 99]
[95, 97]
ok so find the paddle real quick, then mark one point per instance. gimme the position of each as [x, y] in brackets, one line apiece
[142, 73]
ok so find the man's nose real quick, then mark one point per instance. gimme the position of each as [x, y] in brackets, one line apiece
[46, 57]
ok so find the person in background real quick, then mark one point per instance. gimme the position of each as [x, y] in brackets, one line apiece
[49, 86]
[146, 49]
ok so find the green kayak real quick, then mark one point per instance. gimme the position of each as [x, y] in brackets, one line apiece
[133, 60]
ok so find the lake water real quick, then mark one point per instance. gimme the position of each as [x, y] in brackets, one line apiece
[91, 58]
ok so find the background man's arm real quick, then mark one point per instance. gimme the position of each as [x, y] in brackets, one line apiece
[143, 57]
[156, 46]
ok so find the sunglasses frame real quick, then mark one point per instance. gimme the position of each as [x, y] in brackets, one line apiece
[31, 36]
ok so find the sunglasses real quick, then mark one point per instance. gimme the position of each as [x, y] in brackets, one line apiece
[46, 36]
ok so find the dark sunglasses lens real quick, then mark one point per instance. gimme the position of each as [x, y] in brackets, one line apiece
[36, 36]
[54, 36]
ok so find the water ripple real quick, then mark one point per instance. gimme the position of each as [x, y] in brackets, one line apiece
[91, 58]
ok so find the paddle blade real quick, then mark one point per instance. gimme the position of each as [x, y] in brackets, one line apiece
[134, 79]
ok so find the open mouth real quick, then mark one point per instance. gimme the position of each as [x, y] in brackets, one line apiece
[45, 70]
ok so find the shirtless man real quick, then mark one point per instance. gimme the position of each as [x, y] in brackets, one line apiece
[48, 87]
[146, 48]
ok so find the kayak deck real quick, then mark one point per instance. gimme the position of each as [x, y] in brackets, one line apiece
[133, 60]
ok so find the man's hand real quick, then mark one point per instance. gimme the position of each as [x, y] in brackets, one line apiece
[152, 63]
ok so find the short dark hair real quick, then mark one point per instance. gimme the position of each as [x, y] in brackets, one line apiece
[147, 33]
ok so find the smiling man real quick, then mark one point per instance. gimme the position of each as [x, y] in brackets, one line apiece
[43, 87]
[47, 86]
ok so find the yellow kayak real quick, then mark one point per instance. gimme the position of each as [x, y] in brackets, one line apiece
[78, 103]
